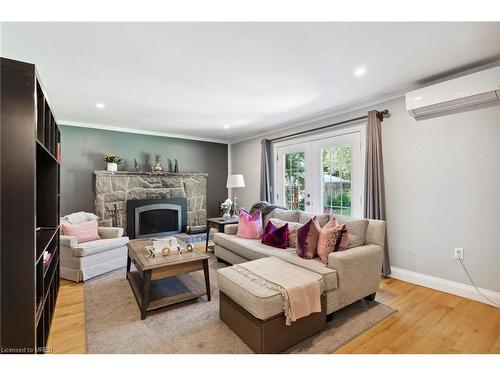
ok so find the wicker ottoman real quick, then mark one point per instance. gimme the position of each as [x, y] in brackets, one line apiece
[255, 313]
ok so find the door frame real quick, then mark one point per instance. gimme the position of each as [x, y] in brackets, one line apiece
[359, 127]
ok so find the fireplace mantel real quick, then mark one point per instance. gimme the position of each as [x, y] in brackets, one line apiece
[116, 188]
[133, 173]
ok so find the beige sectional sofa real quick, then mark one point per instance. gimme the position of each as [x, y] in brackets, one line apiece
[349, 276]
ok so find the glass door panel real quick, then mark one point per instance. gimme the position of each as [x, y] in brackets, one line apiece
[336, 172]
[294, 183]
[292, 177]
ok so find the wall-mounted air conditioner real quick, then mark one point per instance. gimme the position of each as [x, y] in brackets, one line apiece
[456, 94]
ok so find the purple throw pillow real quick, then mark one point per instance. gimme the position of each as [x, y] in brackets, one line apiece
[307, 239]
[275, 237]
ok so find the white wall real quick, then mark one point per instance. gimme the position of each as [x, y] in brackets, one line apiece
[245, 160]
[442, 180]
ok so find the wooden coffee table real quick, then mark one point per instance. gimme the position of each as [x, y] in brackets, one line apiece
[148, 282]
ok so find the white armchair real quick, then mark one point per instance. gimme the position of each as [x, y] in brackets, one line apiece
[82, 261]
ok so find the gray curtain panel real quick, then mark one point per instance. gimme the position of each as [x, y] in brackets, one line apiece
[265, 172]
[374, 180]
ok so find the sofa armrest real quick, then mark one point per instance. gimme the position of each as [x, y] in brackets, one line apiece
[68, 241]
[109, 232]
[375, 233]
[358, 271]
[231, 229]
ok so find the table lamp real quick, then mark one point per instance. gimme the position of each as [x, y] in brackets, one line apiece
[235, 181]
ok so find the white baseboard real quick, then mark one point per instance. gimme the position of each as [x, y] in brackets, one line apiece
[443, 285]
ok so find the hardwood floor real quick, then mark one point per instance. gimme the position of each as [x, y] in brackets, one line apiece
[427, 321]
[67, 332]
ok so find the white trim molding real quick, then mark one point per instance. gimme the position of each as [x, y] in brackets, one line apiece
[443, 285]
[139, 131]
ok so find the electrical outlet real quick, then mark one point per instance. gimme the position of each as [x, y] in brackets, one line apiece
[459, 253]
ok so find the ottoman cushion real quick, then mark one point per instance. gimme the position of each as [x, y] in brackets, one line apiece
[258, 300]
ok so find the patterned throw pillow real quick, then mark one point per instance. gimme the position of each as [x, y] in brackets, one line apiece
[307, 239]
[292, 230]
[332, 237]
[83, 232]
[275, 237]
[249, 225]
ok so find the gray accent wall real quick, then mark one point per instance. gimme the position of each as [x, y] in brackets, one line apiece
[83, 151]
[442, 179]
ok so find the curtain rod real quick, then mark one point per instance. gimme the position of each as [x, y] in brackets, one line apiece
[380, 115]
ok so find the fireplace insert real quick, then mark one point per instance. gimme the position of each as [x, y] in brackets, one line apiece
[156, 217]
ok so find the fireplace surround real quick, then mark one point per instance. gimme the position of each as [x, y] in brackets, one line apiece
[115, 190]
[156, 217]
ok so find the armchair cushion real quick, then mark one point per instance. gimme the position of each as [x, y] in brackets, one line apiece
[99, 246]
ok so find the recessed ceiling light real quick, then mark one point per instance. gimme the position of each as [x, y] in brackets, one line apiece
[359, 72]
[226, 126]
[100, 105]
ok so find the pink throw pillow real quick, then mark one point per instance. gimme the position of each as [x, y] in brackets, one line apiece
[275, 236]
[250, 225]
[332, 237]
[83, 232]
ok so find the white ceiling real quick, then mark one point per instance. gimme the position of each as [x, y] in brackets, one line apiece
[193, 78]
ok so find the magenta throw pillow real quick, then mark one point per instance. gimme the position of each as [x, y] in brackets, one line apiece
[250, 225]
[307, 239]
[83, 232]
[275, 236]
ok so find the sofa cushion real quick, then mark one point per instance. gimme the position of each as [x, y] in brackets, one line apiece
[322, 218]
[356, 230]
[99, 246]
[254, 249]
[286, 215]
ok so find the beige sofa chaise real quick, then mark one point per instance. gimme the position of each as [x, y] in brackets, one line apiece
[349, 276]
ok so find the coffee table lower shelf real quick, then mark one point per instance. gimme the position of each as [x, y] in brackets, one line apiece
[166, 292]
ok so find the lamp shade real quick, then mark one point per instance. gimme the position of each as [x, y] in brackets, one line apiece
[235, 181]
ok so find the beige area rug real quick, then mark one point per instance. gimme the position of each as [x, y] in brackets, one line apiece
[113, 322]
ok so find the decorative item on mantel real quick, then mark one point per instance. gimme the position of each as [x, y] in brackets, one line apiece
[136, 165]
[112, 161]
[176, 166]
[157, 168]
[226, 206]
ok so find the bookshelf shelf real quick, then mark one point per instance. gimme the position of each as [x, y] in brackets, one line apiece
[31, 144]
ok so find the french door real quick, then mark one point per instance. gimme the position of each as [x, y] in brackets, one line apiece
[322, 175]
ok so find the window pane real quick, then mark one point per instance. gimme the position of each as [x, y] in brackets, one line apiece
[294, 180]
[336, 166]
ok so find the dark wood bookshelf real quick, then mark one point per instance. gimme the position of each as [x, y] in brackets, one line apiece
[30, 210]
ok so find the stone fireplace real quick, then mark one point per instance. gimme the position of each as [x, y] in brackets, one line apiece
[114, 189]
